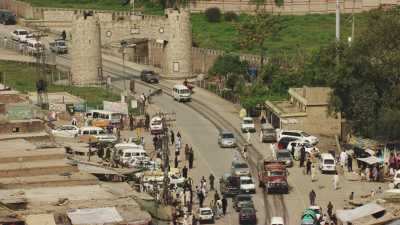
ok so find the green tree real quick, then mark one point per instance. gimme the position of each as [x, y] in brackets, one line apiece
[366, 78]
[228, 64]
[255, 30]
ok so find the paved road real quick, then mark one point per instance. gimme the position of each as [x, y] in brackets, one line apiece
[202, 135]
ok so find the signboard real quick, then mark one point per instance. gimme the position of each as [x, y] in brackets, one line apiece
[19, 112]
[118, 107]
[57, 107]
[134, 104]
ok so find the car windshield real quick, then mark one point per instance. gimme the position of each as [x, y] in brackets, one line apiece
[247, 121]
[308, 145]
[305, 134]
[149, 72]
[247, 210]
[227, 135]
[269, 130]
[277, 173]
[247, 181]
[206, 212]
[242, 198]
[61, 43]
[156, 122]
[241, 165]
[184, 91]
[23, 32]
[283, 155]
[329, 161]
[102, 132]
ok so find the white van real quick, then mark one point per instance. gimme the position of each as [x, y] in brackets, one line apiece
[113, 117]
[327, 163]
[181, 93]
[156, 126]
[97, 132]
[129, 154]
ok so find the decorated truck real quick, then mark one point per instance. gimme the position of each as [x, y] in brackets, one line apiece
[272, 176]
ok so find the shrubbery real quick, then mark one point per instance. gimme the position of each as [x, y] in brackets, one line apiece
[213, 15]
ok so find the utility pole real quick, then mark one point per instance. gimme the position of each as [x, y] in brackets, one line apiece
[337, 21]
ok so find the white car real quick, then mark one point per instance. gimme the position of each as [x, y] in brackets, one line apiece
[305, 137]
[205, 215]
[310, 149]
[247, 125]
[277, 220]
[396, 179]
[247, 185]
[156, 126]
[19, 35]
[65, 131]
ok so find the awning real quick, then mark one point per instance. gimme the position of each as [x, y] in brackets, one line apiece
[40, 219]
[94, 216]
[370, 160]
[359, 212]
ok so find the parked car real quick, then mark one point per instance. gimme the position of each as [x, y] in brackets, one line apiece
[7, 17]
[305, 137]
[242, 201]
[327, 163]
[156, 126]
[285, 156]
[247, 125]
[65, 131]
[240, 168]
[277, 221]
[34, 47]
[229, 185]
[268, 133]
[247, 185]
[283, 142]
[19, 35]
[149, 76]
[226, 139]
[247, 216]
[98, 133]
[309, 148]
[58, 46]
[205, 215]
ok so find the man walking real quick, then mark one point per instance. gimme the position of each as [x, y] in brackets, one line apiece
[350, 163]
[172, 136]
[330, 210]
[302, 156]
[335, 180]
[312, 196]
[184, 172]
[191, 158]
[211, 178]
[224, 205]
[308, 166]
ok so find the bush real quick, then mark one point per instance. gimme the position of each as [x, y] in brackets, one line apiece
[213, 15]
[231, 16]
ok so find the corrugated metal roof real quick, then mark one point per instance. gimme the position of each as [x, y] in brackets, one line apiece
[359, 212]
[94, 216]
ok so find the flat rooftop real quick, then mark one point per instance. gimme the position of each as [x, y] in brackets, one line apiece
[311, 95]
[285, 109]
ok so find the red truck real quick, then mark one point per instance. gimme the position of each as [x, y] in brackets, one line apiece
[272, 176]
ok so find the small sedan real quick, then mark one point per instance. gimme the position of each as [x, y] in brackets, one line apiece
[247, 216]
[205, 215]
[240, 168]
[66, 131]
[149, 77]
[226, 140]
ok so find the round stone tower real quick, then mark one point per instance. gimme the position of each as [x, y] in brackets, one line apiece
[178, 50]
[86, 65]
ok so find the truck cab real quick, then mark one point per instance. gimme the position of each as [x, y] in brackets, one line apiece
[273, 176]
[229, 185]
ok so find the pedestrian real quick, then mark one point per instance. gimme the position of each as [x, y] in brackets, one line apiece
[184, 172]
[178, 135]
[130, 122]
[172, 136]
[244, 152]
[74, 121]
[194, 220]
[224, 204]
[216, 196]
[330, 210]
[201, 199]
[313, 173]
[147, 121]
[312, 196]
[302, 156]
[63, 35]
[292, 149]
[248, 137]
[191, 158]
[335, 180]
[263, 120]
[308, 166]
[351, 197]
[176, 161]
[187, 152]
[211, 179]
[155, 143]
[350, 163]
[343, 159]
